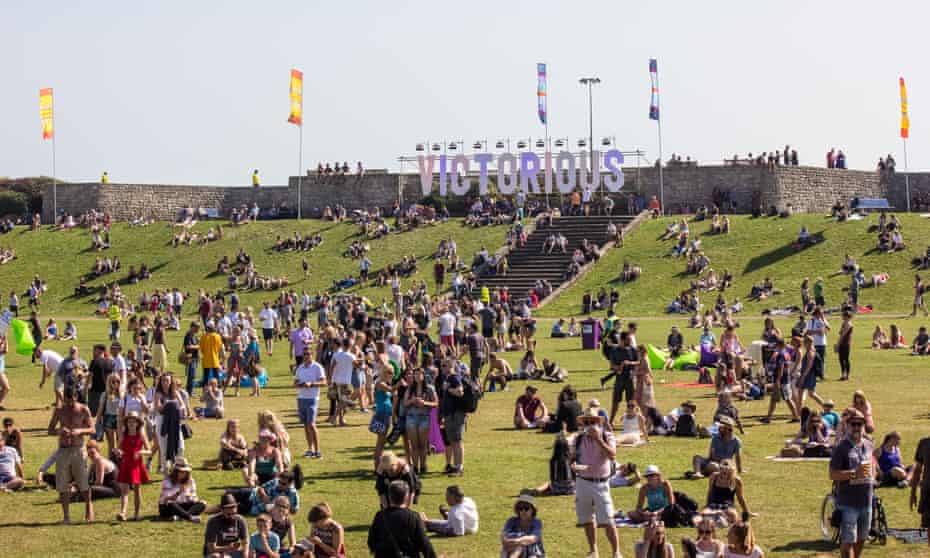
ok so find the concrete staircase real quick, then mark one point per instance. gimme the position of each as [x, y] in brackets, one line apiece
[528, 263]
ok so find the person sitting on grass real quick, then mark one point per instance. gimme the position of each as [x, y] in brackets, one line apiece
[327, 537]
[11, 467]
[725, 445]
[726, 408]
[178, 497]
[634, 426]
[891, 472]
[724, 490]
[561, 475]
[264, 542]
[655, 497]
[522, 533]
[459, 519]
[558, 329]
[568, 409]
[921, 344]
[529, 411]
[552, 371]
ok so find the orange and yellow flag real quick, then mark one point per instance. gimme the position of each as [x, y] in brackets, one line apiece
[47, 113]
[297, 98]
[905, 121]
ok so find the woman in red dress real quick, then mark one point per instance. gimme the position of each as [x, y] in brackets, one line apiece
[132, 471]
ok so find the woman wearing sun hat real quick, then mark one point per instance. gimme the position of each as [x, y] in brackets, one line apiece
[522, 533]
[179, 494]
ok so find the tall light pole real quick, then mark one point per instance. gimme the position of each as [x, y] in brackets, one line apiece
[590, 82]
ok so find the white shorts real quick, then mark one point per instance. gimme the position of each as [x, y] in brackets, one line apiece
[593, 502]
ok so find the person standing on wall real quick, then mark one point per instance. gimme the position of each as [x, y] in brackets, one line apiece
[105, 178]
[255, 180]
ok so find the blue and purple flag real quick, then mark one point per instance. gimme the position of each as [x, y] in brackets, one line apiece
[654, 98]
[541, 92]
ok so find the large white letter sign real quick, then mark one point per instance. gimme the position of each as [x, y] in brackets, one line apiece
[426, 173]
[613, 160]
[506, 183]
[443, 178]
[590, 178]
[460, 187]
[565, 182]
[548, 169]
[529, 172]
[483, 159]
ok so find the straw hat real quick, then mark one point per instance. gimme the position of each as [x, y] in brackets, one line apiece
[652, 470]
[134, 415]
[181, 464]
[590, 414]
[526, 499]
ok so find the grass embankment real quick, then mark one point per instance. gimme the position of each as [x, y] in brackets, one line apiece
[754, 250]
[61, 257]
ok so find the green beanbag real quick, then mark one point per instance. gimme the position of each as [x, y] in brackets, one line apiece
[691, 357]
[657, 357]
[22, 336]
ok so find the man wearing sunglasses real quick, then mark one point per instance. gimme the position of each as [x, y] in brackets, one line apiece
[851, 471]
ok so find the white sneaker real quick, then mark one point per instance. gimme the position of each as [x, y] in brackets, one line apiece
[592, 554]
[617, 554]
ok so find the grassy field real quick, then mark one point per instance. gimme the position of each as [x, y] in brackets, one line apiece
[61, 257]
[499, 461]
[754, 250]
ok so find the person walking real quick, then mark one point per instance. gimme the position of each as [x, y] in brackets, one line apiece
[308, 379]
[919, 296]
[851, 472]
[211, 354]
[817, 327]
[190, 355]
[595, 451]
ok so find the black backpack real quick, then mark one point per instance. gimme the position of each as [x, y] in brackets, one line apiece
[471, 395]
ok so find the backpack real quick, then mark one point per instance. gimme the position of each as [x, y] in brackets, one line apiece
[686, 426]
[472, 394]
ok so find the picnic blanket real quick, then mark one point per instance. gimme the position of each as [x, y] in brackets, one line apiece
[909, 536]
[779, 459]
[626, 522]
[634, 444]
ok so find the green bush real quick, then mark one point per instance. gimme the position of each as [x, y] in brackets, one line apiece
[13, 203]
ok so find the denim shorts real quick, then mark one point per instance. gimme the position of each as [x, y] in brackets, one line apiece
[358, 378]
[419, 422]
[306, 410]
[855, 524]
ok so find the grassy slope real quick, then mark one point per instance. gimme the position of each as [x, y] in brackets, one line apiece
[61, 257]
[499, 461]
[755, 249]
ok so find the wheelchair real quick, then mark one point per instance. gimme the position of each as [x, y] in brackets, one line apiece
[830, 521]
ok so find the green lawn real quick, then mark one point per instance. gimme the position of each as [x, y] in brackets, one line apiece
[755, 249]
[61, 257]
[499, 460]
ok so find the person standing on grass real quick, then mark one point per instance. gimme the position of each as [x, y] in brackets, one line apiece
[115, 315]
[844, 345]
[919, 296]
[478, 351]
[623, 361]
[596, 449]
[301, 339]
[71, 463]
[453, 419]
[211, 353]
[308, 379]
[341, 366]
[191, 350]
[817, 327]
[920, 477]
[270, 320]
[781, 384]
[851, 472]
[132, 472]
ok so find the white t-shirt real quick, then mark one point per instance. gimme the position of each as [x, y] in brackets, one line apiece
[819, 338]
[343, 363]
[463, 518]
[311, 373]
[727, 553]
[446, 324]
[268, 318]
[9, 457]
[51, 360]
[396, 353]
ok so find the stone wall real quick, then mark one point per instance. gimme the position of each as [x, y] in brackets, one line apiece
[806, 189]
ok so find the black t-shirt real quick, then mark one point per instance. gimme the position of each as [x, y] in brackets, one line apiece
[488, 315]
[568, 413]
[619, 354]
[190, 339]
[222, 531]
[100, 369]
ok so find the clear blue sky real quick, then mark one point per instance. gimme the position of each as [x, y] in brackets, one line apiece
[196, 92]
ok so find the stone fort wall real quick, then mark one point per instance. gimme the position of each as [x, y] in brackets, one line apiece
[806, 189]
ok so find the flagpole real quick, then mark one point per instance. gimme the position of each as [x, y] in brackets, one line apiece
[300, 165]
[907, 178]
[659, 128]
[55, 185]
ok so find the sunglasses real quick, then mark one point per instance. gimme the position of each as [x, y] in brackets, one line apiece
[524, 508]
